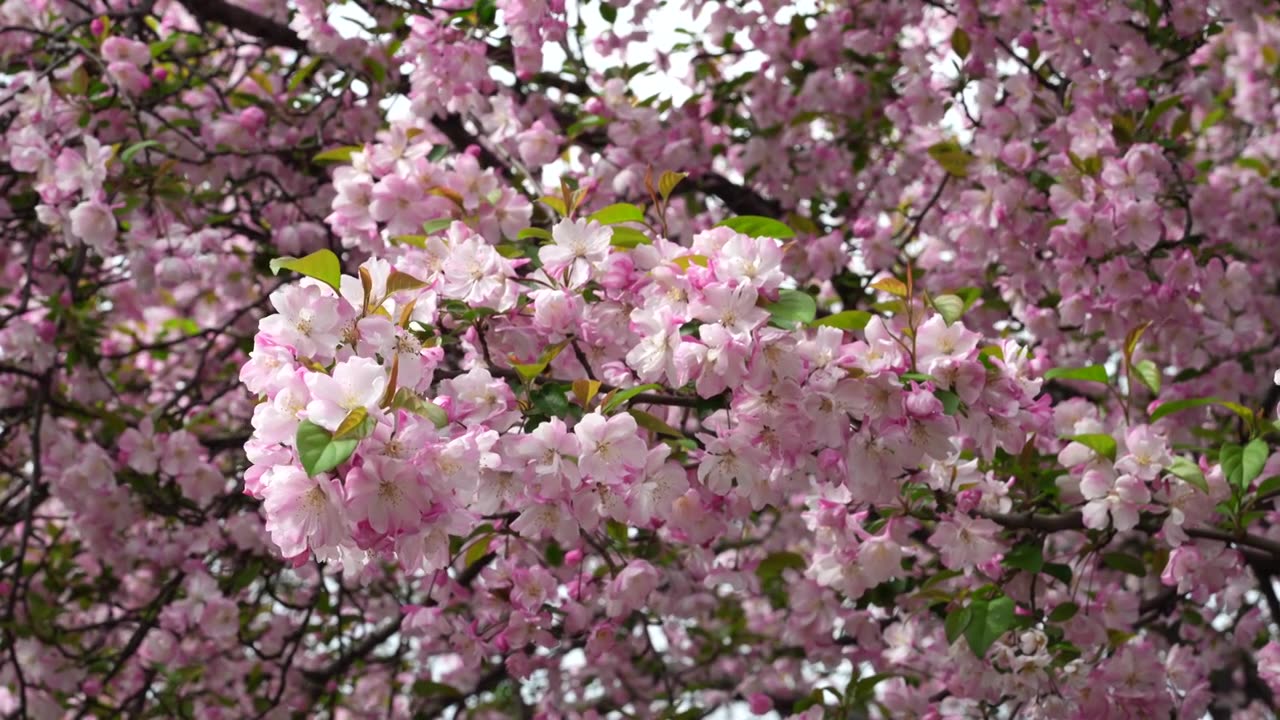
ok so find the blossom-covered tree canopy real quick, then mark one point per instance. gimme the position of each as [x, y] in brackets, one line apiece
[547, 359]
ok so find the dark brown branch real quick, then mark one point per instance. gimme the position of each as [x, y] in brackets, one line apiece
[246, 21]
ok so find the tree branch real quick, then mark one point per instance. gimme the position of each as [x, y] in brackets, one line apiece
[246, 21]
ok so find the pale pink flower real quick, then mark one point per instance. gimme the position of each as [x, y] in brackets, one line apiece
[357, 383]
[611, 448]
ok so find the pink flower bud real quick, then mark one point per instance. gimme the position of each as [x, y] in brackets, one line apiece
[252, 118]
[967, 500]
[760, 703]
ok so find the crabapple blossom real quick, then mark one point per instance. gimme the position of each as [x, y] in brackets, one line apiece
[864, 359]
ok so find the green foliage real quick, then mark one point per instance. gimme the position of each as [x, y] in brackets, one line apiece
[322, 265]
[406, 399]
[982, 623]
[1091, 373]
[757, 226]
[1104, 445]
[950, 307]
[1174, 406]
[1243, 464]
[1125, 563]
[318, 451]
[618, 213]
[847, 320]
[952, 157]
[792, 308]
[619, 397]
[1190, 472]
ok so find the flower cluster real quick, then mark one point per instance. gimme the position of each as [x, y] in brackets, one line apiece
[885, 358]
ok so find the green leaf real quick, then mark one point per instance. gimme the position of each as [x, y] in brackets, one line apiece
[865, 688]
[991, 619]
[1231, 457]
[477, 550]
[653, 423]
[684, 261]
[757, 226]
[1092, 373]
[1242, 465]
[668, 182]
[318, 451]
[1254, 459]
[1101, 443]
[1159, 109]
[1189, 472]
[355, 426]
[322, 265]
[530, 371]
[957, 621]
[555, 554]
[952, 157]
[533, 232]
[960, 42]
[1027, 556]
[916, 376]
[438, 152]
[891, 285]
[136, 148]
[950, 307]
[617, 213]
[432, 227]
[1149, 373]
[848, 320]
[1174, 406]
[1064, 612]
[245, 576]
[628, 237]
[406, 399]
[1269, 487]
[793, 307]
[950, 401]
[1059, 571]
[1213, 117]
[587, 122]
[398, 281]
[621, 396]
[42, 612]
[338, 154]
[304, 72]
[555, 203]
[1125, 563]
[608, 12]
[431, 688]
[774, 563]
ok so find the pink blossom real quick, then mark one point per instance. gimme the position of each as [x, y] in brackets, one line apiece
[358, 383]
[965, 542]
[1114, 501]
[610, 448]
[94, 223]
[577, 248]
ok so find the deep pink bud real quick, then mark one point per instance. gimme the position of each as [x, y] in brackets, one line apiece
[760, 703]
[253, 118]
[967, 500]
